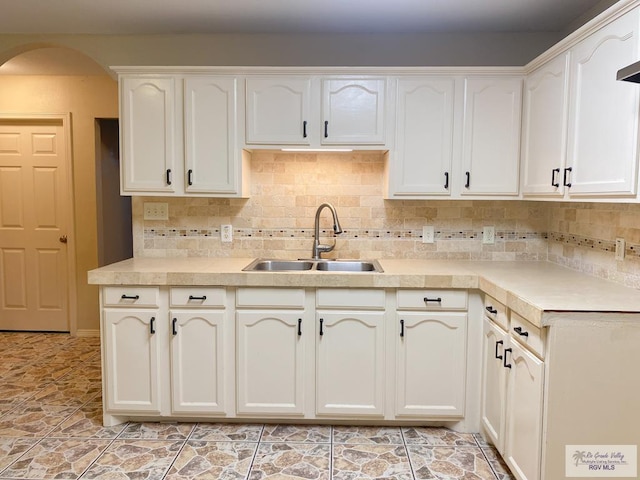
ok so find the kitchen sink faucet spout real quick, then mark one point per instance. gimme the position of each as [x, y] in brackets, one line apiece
[319, 248]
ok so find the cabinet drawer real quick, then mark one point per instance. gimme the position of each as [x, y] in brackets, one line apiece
[270, 297]
[496, 311]
[432, 299]
[197, 297]
[360, 298]
[528, 334]
[130, 296]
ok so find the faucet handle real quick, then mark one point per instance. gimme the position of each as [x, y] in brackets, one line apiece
[326, 248]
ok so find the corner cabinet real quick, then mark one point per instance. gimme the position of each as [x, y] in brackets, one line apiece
[179, 136]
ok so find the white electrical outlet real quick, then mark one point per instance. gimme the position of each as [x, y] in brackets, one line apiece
[226, 233]
[156, 211]
[428, 235]
[620, 246]
[488, 235]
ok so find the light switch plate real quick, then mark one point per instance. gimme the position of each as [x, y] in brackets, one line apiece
[488, 235]
[620, 246]
[156, 211]
[428, 234]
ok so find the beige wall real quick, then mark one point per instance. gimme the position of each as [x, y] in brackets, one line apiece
[86, 98]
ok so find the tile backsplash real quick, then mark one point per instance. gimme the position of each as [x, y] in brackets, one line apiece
[278, 220]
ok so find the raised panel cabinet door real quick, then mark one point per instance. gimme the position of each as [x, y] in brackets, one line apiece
[271, 362]
[198, 370]
[147, 128]
[431, 365]
[491, 135]
[494, 383]
[424, 137]
[544, 128]
[132, 374]
[212, 157]
[353, 111]
[523, 437]
[278, 110]
[603, 118]
[350, 363]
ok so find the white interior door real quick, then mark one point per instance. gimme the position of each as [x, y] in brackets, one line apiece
[33, 226]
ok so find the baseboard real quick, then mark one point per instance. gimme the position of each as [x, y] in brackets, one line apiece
[87, 333]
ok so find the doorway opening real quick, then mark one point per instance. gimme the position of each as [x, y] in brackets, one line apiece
[115, 235]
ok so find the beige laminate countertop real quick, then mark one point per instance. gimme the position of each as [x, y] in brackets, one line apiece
[536, 290]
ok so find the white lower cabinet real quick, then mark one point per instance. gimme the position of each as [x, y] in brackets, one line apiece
[350, 363]
[523, 437]
[271, 362]
[132, 361]
[494, 379]
[431, 364]
[197, 354]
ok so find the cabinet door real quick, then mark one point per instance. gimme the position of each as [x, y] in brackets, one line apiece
[424, 137]
[271, 362]
[523, 438]
[198, 362]
[148, 127]
[491, 135]
[604, 112]
[132, 374]
[350, 363]
[212, 157]
[431, 365]
[279, 111]
[353, 111]
[544, 128]
[494, 383]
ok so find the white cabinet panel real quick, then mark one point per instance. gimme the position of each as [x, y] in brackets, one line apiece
[353, 111]
[198, 367]
[544, 129]
[491, 135]
[494, 383]
[211, 152]
[271, 362]
[132, 373]
[350, 363]
[279, 110]
[603, 126]
[424, 136]
[148, 128]
[431, 364]
[523, 438]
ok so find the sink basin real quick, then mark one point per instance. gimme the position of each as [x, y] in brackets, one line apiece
[269, 265]
[261, 265]
[348, 266]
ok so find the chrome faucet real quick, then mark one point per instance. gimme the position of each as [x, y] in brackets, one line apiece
[319, 248]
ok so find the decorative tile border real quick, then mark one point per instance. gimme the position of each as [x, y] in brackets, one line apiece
[510, 235]
[593, 243]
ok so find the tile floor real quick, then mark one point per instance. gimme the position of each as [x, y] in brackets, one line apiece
[50, 427]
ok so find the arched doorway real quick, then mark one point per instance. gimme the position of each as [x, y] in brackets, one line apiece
[45, 80]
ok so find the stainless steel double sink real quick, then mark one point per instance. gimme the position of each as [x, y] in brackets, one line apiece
[323, 265]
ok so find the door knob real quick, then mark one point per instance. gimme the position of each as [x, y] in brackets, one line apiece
[63, 239]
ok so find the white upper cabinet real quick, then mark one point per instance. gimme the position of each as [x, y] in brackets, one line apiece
[312, 111]
[424, 137]
[179, 136]
[603, 115]
[279, 110]
[491, 135]
[353, 111]
[148, 128]
[544, 128]
[212, 156]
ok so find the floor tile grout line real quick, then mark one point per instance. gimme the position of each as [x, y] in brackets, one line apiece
[184, 444]
[406, 449]
[25, 452]
[97, 458]
[255, 453]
